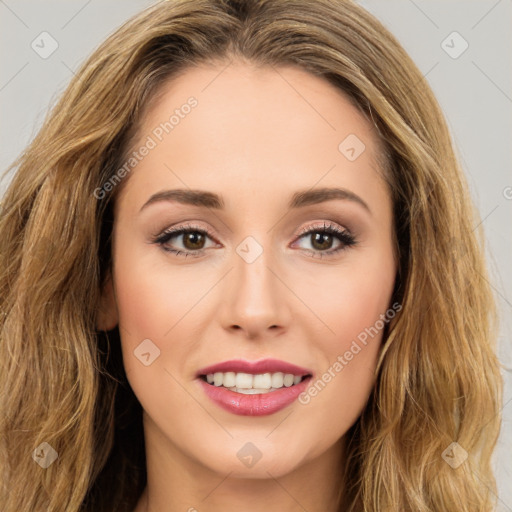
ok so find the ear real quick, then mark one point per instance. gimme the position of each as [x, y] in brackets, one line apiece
[108, 316]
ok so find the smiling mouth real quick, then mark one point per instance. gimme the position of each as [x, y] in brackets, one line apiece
[253, 384]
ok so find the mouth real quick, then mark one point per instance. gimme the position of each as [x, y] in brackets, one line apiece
[253, 384]
[254, 388]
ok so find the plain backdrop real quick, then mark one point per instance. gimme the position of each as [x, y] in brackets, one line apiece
[463, 48]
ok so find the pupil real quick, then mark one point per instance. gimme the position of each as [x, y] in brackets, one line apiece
[194, 238]
[319, 236]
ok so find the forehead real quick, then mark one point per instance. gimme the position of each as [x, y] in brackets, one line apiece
[256, 127]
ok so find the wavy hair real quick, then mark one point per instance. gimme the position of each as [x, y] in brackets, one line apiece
[62, 381]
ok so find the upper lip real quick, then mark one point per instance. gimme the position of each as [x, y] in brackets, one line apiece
[254, 367]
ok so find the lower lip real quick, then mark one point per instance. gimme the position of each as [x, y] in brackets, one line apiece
[254, 405]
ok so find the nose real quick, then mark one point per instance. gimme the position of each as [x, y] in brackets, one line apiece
[256, 300]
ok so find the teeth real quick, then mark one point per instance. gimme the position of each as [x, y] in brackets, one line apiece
[249, 384]
[218, 378]
[229, 379]
[263, 381]
[242, 380]
[288, 380]
[277, 380]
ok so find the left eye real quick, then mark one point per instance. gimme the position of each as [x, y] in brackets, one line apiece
[322, 238]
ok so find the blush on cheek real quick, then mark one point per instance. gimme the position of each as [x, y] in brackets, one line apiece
[354, 319]
[141, 293]
[138, 312]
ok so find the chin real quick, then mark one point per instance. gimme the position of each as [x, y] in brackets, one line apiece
[258, 459]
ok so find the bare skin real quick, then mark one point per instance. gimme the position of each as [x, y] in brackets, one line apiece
[255, 141]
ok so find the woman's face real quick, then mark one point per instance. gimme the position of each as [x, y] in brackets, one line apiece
[258, 275]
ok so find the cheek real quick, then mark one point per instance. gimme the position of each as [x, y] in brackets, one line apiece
[152, 303]
[159, 301]
[350, 299]
[353, 304]
[151, 296]
[148, 303]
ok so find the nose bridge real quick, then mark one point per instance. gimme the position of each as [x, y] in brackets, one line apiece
[253, 276]
[254, 298]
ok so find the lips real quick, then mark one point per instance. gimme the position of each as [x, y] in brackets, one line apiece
[264, 401]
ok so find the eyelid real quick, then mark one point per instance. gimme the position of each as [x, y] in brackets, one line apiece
[324, 224]
[185, 227]
[319, 225]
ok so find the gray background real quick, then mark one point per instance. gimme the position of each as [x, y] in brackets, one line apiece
[474, 89]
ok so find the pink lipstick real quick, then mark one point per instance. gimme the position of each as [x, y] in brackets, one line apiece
[254, 388]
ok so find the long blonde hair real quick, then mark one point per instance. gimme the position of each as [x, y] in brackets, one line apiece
[62, 382]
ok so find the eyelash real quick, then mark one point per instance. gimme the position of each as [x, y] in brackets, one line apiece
[344, 236]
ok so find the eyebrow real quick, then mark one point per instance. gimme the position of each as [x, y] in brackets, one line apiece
[211, 200]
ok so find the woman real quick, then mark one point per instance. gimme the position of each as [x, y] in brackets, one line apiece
[229, 279]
